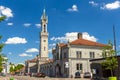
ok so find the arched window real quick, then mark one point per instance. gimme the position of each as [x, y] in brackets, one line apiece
[44, 48]
[44, 28]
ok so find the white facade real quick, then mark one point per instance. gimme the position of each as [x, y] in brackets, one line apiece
[67, 61]
[5, 65]
[44, 37]
[67, 58]
[84, 60]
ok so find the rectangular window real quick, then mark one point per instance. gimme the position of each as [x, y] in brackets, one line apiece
[61, 56]
[79, 66]
[92, 55]
[104, 55]
[57, 56]
[78, 54]
[44, 48]
[65, 55]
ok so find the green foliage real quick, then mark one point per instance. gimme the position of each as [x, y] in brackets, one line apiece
[1, 59]
[11, 69]
[19, 66]
[1, 45]
[14, 68]
[1, 56]
[110, 61]
[1, 69]
[2, 18]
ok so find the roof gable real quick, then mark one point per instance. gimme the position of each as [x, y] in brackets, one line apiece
[86, 43]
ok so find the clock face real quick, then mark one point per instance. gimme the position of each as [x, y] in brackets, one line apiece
[44, 40]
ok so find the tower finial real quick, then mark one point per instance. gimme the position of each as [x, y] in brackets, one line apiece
[44, 13]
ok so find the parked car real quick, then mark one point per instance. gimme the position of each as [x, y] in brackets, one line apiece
[77, 75]
[3, 74]
[40, 75]
[87, 75]
[27, 74]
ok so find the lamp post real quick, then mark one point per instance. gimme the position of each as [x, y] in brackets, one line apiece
[67, 68]
[114, 36]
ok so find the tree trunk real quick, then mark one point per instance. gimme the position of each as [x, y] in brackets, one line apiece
[111, 72]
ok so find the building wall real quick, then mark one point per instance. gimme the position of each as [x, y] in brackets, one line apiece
[85, 51]
[47, 68]
[68, 54]
[44, 45]
[30, 67]
[72, 66]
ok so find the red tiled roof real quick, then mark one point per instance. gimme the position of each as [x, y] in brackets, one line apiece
[49, 61]
[61, 44]
[33, 60]
[86, 43]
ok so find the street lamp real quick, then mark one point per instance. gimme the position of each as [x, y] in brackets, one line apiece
[114, 35]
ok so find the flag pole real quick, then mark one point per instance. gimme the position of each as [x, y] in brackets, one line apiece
[114, 35]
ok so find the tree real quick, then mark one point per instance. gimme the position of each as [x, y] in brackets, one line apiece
[18, 67]
[2, 18]
[1, 59]
[110, 62]
[1, 45]
[14, 68]
[11, 69]
[1, 56]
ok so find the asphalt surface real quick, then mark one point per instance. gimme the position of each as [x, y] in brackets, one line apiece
[35, 78]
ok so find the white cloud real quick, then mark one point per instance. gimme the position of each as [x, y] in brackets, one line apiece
[6, 11]
[16, 40]
[27, 24]
[9, 24]
[50, 50]
[73, 36]
[89, 37]
[10, 53]
[38, 25]
[93, 3]
[68, 36]
[119, 46]
[73, 9]
[31, 50]
[25, 55]
[52, 45]
[112, 6]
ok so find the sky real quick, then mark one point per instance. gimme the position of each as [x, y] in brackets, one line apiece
[21, 29]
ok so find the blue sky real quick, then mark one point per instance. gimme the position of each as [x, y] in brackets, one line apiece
[20, 31]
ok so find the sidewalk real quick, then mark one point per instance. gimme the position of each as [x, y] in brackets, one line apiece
[6, 78]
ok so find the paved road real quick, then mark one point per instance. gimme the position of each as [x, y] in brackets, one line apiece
[34, 78]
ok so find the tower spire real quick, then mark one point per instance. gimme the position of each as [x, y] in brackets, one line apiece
[44, 21]
[44, 36]
[44, 14]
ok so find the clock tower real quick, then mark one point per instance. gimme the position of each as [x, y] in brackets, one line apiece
[44, 37]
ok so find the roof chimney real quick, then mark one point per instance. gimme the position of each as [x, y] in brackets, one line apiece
[79, 36]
